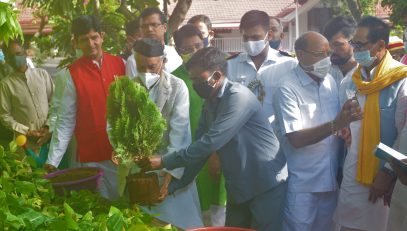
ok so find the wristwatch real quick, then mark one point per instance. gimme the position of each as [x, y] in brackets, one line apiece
[390, 172]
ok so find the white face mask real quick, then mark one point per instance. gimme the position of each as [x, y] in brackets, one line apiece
[149, 79]
[254, 48]
[320, 68]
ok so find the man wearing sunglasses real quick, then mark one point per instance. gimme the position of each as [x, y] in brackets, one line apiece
[234, 125]
[379, 82]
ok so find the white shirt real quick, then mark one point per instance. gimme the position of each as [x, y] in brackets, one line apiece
[173, 62]
[303, 103]
[242, 69]
[337, 74]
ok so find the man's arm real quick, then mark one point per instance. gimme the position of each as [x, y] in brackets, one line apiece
[234, 111]
[290, 120]
[64, 124]
[5, 111]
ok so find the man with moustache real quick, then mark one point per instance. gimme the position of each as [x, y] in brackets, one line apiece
[339, 31]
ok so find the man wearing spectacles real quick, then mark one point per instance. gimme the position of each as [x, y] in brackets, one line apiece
[152, 25]
[339, 31]
[308, 114]
[380, 83]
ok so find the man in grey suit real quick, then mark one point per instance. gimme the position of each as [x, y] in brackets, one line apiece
[234, 126]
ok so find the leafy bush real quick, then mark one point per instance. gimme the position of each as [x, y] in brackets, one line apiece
[28, 202]
[136, 123]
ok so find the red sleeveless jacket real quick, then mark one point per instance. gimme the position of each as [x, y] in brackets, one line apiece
[92, 88]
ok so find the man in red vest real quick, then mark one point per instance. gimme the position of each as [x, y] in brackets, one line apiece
[83, 105]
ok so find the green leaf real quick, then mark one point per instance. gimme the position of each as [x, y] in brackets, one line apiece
[70, 217]
[115, 222]
[25, 187]
[33, 218]
[12, 146]
[14, 221]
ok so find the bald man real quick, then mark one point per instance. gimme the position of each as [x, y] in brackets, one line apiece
[308, 116]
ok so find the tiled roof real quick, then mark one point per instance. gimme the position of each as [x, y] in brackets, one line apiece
[230, 11]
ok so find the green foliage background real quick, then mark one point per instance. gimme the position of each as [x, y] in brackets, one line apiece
[9, 26]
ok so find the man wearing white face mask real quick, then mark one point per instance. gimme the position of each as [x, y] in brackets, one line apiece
[308, 115]
[170, 94]
[260, 67]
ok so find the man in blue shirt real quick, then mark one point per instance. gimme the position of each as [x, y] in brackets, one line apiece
[234, 125]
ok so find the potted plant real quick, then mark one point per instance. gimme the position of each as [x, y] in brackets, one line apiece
[136, 128]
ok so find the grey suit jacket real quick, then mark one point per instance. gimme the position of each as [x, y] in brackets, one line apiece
[237, 128]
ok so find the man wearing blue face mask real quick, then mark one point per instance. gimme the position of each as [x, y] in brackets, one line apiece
[308, 115]
[171, 97]
[276, 32]
[24, 96]
[204, 24]
[5, 69]
[379, 85]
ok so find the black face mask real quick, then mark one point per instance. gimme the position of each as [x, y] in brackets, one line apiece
[204, 90]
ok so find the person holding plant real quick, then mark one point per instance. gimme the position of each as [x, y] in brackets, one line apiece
[234, 125]
[210, 181]
[84, 105]
[171, 97]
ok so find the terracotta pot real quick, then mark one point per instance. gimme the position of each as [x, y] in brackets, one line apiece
[143, 188]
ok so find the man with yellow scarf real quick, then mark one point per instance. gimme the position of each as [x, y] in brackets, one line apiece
[380, 86]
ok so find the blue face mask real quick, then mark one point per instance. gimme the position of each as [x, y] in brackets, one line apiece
[206, 41]
[1, 56]
[364, 58]
[275, 44]
[20, 61]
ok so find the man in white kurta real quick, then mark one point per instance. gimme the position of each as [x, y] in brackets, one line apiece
[170, 94]
[308, 114]
[360, 205]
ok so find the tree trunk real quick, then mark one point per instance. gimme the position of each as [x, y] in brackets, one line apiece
[178, 15]
[96, 8]
[355, 9]
[125, 11]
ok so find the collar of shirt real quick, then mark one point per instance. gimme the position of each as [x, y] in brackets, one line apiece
[222, 88]
[304, 78]
[372, 73]
[271, 57]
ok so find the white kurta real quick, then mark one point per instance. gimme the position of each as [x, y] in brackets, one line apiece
[181, 209]
[354, 209]
[62, 123]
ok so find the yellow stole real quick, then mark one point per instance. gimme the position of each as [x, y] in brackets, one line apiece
[368, 164]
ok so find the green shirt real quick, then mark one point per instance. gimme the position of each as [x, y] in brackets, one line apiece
[195, 101]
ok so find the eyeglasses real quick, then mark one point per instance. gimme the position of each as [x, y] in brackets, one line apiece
[191, 49]
[322, 54]
[358, 45]
[153, 25]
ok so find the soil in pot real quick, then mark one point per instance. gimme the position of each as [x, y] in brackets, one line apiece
[143, 188]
